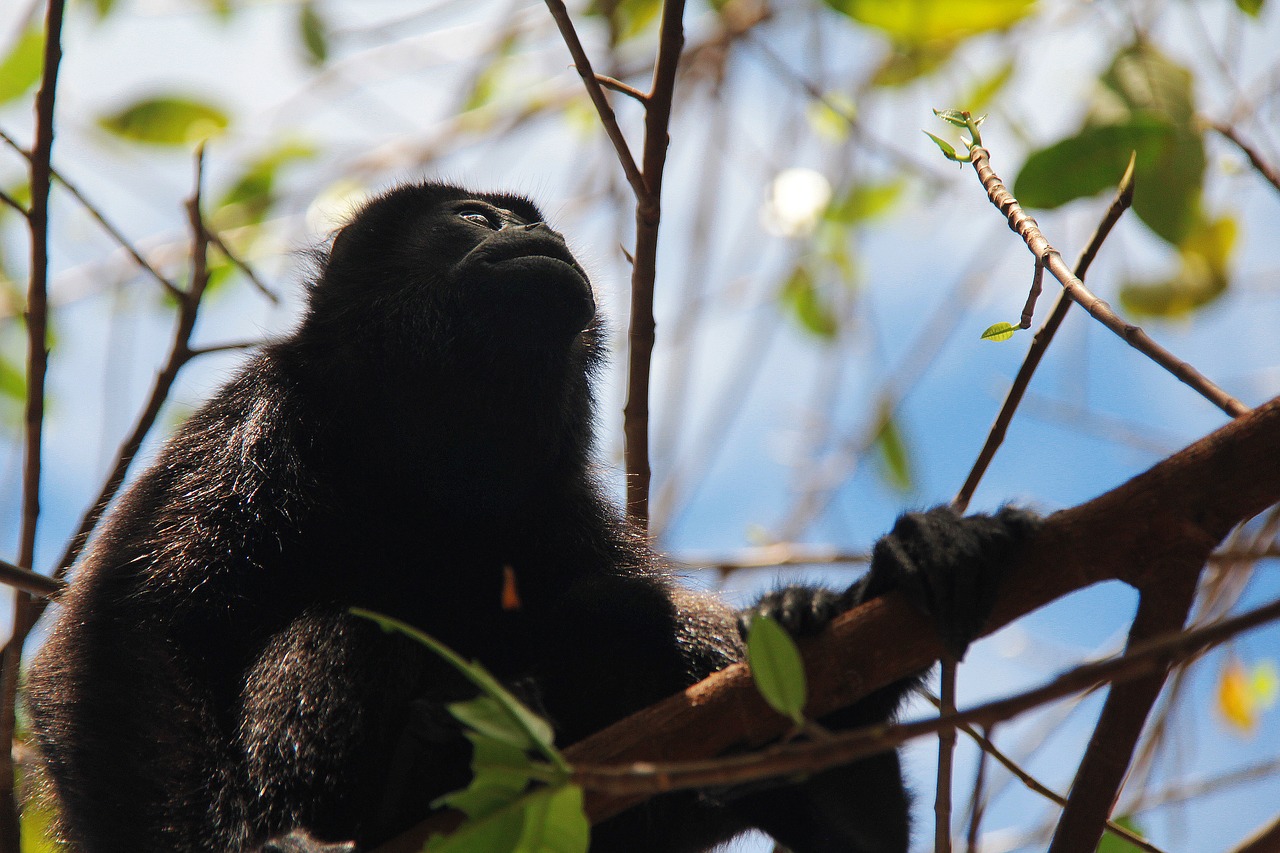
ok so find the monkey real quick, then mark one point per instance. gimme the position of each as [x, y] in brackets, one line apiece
[421, 446]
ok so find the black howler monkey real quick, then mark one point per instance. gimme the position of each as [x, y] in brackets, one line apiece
[426, 430]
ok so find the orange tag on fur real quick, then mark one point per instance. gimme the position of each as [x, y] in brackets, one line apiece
[510, 595]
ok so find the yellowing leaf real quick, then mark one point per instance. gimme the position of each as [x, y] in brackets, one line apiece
[166, 120]
[20, 70]
[918, 22]
[1264, 684]
[800, 294]
[1203, 274]
[894, 455]
[1236, 701]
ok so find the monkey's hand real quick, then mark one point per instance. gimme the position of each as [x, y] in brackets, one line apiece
[949, 566]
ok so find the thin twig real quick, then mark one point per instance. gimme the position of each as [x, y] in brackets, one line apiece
[1259, 164]
[610, 121]
[12, 202]
[37, 316]
[1026, 228]
[1029, 309]
[216, 239]
[988, 747]
[622, 88]
[977, 802]
[29, 581]
[101, 219]
[1040, 344]
[193, 352]
[180, 353]
[1144, 659]
[946, 761]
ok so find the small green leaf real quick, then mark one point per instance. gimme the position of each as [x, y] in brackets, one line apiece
[314, 32]
[999, 332]
[956, 117]
[251, 197]
[21, 68]
[865, 202]
[630, 17]
[777, 668]
[831, 115]
[947, 150]
[166, 120]
[800, 294]
[486, 716]
[1252, 8]
[893, 455]
[545, 820]
[538, 733]
[556, 822]
[103, 7]
[986, 89]
[13, 382]
[500, 773]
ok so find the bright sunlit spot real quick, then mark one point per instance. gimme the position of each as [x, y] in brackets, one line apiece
[797, 199]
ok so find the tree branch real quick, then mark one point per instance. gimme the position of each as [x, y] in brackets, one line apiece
[37, 317]
[1148, 529]
[1026, 228]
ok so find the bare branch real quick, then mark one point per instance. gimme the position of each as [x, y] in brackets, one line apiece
[216, 239]
[1259, 164]
[622, 88]
[101, 219]
[610, 121]
[29, 581]
[37, 366]
[1040, 344]
[1026, 228]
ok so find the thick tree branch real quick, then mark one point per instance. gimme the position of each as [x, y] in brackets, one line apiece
[1145, 532]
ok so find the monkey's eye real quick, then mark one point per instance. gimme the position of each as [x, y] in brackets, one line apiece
[479, 217]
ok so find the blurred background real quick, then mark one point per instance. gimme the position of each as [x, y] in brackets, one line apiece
[824, 278]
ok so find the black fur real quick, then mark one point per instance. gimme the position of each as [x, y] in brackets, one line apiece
[427, 428]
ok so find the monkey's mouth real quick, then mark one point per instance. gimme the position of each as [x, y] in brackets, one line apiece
[530, 291]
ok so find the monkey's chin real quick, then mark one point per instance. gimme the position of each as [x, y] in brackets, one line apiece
[532, 301]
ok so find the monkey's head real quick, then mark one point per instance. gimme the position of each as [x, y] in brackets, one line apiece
[478, 273]
[441, 312]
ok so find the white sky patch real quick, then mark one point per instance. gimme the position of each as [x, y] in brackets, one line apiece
[797, 199]
[334, 207]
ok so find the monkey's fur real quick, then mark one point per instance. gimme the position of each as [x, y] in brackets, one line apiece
[426, 430]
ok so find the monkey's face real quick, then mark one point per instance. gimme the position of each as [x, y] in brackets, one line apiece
[457, 270]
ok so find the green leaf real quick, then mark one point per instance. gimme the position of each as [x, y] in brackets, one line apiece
[999, 332]
[546, 820]
[865, 202]
[1204, 274]
[894, 456]
[500, 773]
[947, 150]
[13, 382]
[314, 32]
[103, 7]
[1089, 162]
[908, 64]
[556, 823]
[919, 22]
[1142, 81]
[830, 116]
[537, 731]
[250, 199]
[955, 117]
[777, 668]
[800, 294]
[1252, 8]
[1111, 843]
[630, 17]
[21, 68]
[488, 717]
[171, 120]
[986, 89]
